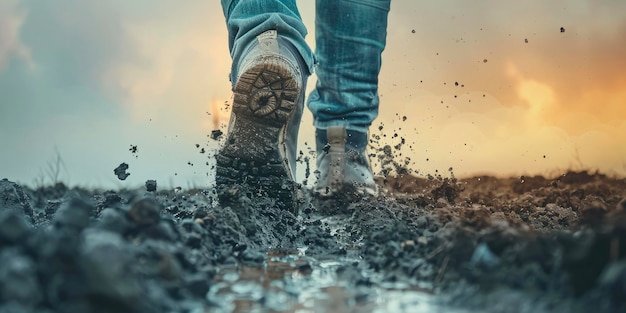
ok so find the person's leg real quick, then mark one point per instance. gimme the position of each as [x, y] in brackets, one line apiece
[271, 63]
[350, 37]
[246, 19]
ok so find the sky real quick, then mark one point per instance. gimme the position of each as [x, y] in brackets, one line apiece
[487, 87]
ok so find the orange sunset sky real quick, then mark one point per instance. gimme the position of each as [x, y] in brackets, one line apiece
[486, 86]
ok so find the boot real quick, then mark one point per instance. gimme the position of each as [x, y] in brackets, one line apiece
[343, 165]
[261, 141]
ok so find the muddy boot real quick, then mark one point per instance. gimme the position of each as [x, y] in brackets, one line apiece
[260, 148]
[343, 165]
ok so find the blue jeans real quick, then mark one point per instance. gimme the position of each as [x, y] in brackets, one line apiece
[350, 37]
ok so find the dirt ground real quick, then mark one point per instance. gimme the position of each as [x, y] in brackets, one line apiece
[482, 244]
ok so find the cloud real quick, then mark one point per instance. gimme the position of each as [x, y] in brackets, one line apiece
[99, 59]
[11, 20]
[115, 73]
[111, 74]
[73, 45]
[77, 42]
[186, 68]
[525, 89]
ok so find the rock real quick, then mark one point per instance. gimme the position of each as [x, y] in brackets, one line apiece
[105, 258]
[145, 212]
[13, 227]
[14, 198]
[18, 279]
[74, 213]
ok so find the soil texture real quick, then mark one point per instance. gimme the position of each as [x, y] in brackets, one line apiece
[481, 244]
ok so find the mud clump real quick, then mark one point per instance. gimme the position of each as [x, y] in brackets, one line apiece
[151, 185]
[216, 134]
[550, 241]
[120, 171]
[14, 198]
[481, 243]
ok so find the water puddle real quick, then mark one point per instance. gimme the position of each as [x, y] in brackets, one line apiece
[298, 283]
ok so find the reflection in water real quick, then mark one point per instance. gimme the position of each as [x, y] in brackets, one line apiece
[297, 283]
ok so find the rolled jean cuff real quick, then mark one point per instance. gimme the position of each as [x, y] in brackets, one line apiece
[246, 20]
[363, 128]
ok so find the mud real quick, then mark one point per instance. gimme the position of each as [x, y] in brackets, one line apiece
[120, 171]
[482, 244]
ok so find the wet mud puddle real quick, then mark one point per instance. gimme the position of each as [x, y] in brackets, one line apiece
[298, 283]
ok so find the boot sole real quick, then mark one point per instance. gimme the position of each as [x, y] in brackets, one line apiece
[265, 97]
